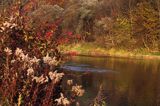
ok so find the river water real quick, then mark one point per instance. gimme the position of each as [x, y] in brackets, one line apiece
[125, 82]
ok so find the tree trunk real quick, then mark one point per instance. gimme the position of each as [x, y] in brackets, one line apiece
[130, 16]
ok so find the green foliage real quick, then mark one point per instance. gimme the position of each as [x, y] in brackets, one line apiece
[146, 25]
[137, 28]
[121, 31]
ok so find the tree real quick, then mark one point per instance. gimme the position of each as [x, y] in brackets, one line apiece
[146, 25]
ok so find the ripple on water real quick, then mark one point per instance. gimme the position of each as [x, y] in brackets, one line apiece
[84, 68]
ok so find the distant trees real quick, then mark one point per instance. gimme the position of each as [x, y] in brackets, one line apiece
[121, 22]
[147, 25]
[132, 23]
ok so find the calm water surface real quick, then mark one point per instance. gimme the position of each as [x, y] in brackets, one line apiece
[126, 82]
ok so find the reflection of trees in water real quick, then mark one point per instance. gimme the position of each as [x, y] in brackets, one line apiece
[157, 80]
[136, 82]
[140, 90]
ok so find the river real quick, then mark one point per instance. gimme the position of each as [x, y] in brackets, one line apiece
[126, 82]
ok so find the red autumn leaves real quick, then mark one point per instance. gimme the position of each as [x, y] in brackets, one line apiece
[48, 35]
[68, 37]
[64, 38]
[50, 31]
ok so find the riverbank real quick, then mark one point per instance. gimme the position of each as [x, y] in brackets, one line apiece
[91, 49]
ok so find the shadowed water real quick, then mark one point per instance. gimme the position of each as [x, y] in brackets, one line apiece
[126, 82]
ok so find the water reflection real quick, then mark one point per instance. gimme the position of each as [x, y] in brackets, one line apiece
[136, 84]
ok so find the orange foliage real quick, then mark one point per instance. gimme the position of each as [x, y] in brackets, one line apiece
[59, 2]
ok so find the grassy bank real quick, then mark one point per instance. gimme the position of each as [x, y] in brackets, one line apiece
[91, 49]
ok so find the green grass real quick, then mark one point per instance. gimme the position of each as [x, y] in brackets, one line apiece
[92, 49]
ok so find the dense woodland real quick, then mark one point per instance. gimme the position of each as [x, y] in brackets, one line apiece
[128, 24]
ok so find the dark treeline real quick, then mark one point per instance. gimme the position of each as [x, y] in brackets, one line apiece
[118, 23]
[128, 24]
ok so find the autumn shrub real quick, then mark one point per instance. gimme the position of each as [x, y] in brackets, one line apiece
[29, 72]
[28, 80]
[30, 61]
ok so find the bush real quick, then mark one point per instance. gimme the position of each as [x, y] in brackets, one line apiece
[29, 65]
[32, 81]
